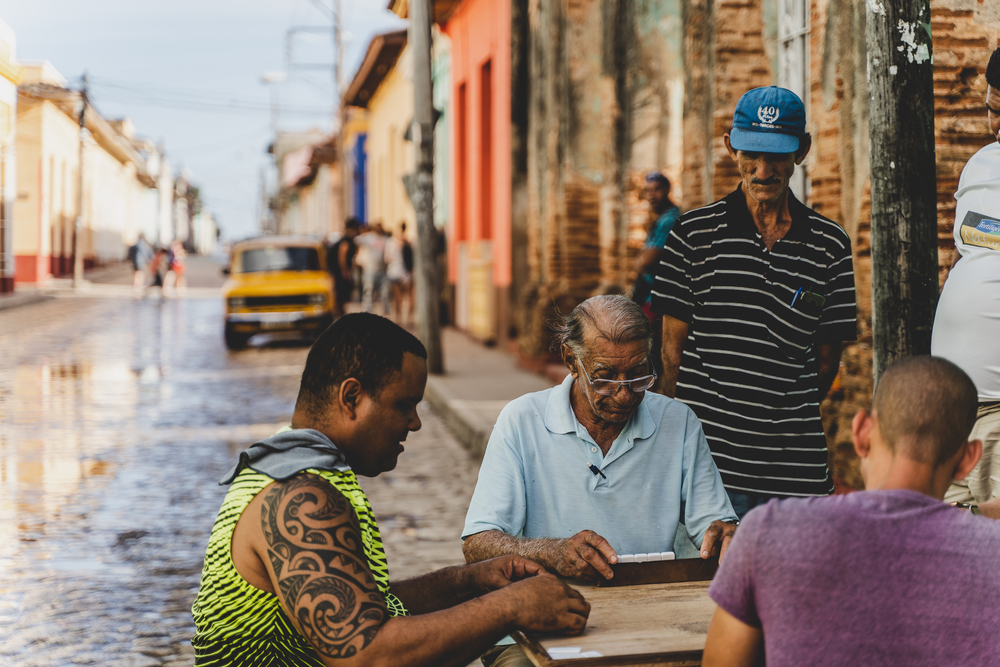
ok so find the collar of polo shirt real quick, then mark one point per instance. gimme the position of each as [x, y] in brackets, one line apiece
[559, 416]
[737, 205]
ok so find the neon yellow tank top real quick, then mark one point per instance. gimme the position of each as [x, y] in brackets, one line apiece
[239, 624]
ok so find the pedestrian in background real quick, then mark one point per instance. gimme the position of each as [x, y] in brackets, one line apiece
[757, 296]
[140, 254]
[174, 281]
[340, 261]
[399, 272]
[967, 322]
[371, 257]
[156, 269]
[665, 214]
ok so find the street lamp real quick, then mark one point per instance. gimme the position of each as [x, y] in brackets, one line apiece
[274, 78]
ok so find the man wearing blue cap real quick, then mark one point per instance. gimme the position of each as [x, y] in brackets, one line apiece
[757, 293]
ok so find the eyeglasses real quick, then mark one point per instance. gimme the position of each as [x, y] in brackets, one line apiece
[610, 387]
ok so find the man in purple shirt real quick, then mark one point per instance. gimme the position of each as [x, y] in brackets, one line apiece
[886, 576]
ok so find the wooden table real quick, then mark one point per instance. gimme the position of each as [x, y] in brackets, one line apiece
[662, 624]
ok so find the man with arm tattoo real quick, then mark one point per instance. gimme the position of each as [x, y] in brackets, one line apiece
[295, 572]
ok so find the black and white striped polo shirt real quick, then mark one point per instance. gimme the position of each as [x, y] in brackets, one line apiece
[755, 317]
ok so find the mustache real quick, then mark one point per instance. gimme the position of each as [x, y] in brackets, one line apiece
[766, 181]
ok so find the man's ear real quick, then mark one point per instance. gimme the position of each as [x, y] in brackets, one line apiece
[569, 358]
[348, 397]
[972, 451]
[861, 428]
[729, 145]
[805, 143]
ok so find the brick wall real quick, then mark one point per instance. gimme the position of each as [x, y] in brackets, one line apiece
[605, 79]
[725, 56]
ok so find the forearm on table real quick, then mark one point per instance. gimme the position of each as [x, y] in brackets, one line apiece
[452, 637]
[492, 543]
[432, 592]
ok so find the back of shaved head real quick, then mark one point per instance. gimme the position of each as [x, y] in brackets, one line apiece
[925, 407]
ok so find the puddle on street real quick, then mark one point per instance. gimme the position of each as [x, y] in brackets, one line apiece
[117, 418]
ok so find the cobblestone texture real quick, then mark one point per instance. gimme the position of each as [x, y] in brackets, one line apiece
[117, 417]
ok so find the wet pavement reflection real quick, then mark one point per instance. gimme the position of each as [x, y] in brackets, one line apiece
[117, 418]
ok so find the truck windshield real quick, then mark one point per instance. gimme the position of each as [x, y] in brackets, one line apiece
[277, 259]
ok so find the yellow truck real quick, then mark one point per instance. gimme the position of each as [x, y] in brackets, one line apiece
[277, 283]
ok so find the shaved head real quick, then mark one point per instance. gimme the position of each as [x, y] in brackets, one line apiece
[925, 407]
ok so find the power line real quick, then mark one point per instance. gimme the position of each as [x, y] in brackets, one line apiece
[122, 92]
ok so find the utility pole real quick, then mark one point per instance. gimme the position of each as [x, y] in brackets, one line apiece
[903, 180]
[78, 224]
[425, 265]
[340, 112]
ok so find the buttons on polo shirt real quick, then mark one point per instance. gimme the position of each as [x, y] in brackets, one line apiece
[593, 449]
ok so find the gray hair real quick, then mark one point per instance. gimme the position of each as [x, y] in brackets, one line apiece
[613, 317]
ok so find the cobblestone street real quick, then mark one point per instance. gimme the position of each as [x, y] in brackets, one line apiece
[117, 418]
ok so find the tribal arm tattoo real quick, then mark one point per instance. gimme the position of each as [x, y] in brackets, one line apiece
[320, 569]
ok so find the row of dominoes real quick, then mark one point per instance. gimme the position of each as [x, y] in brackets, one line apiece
[646, 558]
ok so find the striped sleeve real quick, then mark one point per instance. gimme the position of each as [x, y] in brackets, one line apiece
[838, 321]
[672, 294]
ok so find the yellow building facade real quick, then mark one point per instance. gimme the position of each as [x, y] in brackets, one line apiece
[390, 155]
[48, 168]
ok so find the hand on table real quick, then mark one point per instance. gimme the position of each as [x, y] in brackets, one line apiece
[717, 539]
[585, 556]
[544, 603]
[496, 573]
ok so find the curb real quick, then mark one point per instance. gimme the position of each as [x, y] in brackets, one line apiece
[469, 430]
[23, 299]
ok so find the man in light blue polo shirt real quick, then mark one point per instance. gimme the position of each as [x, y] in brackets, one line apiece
[597, 466]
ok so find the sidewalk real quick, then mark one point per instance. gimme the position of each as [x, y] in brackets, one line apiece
[478, 382]
[21, 298]
[203, 276]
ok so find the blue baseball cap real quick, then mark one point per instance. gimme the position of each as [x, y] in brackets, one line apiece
[768, 120]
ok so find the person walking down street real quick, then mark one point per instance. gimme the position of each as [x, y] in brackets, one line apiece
[295, 571]
[757, 296]
[174, 281]
[967, 322]
[666, 214]
[375, 289]
[340, 261]
[399, 273]
[140, 254]
[886, 576]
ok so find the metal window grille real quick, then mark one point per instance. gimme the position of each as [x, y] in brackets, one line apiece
[793, 70]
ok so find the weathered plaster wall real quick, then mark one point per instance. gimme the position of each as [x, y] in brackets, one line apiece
[725, 56]
[480, 250]
[605, 106]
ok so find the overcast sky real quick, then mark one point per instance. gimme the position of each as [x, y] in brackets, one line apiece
[188, 73]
